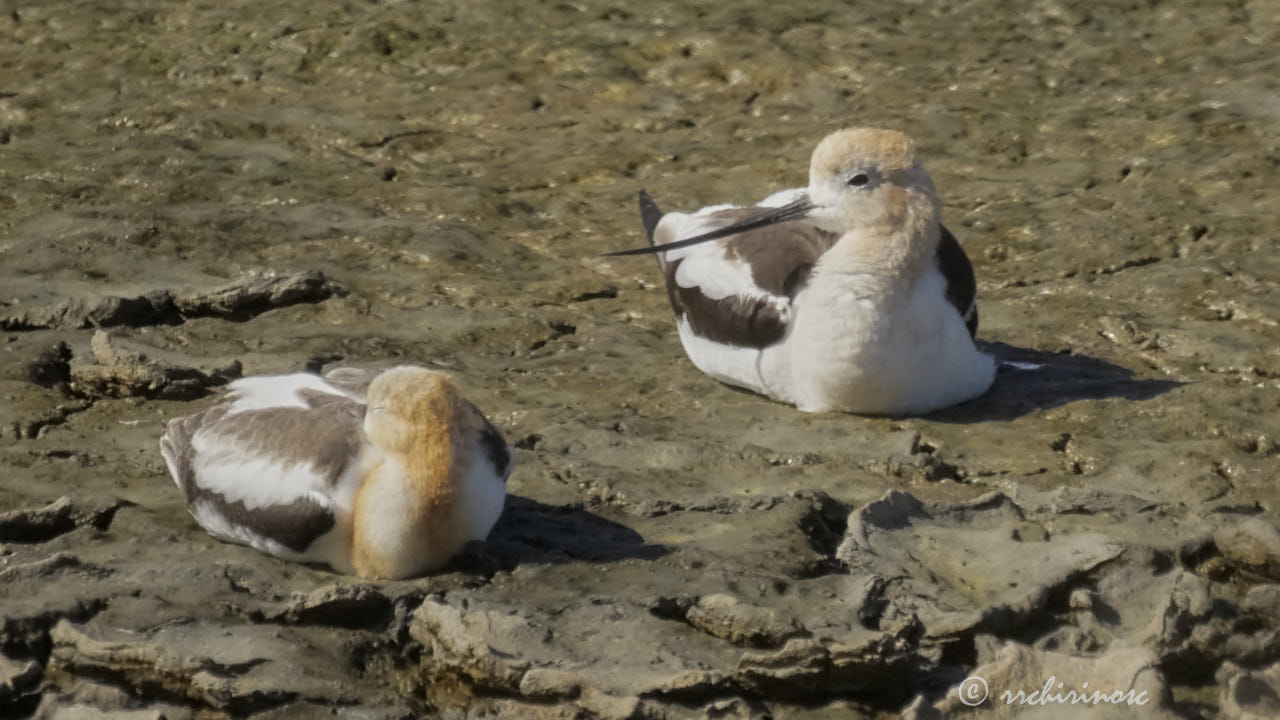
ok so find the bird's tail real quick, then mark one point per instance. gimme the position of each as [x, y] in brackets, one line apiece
[650, 215]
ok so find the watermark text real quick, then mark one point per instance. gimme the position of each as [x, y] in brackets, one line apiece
[973, 691]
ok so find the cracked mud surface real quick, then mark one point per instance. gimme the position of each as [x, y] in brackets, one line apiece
[193, 191]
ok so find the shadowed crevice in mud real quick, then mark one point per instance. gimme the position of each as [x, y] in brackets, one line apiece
[1060, 379]
[27, 636]
[355, 607]
[534, 532]
[37, 525]
[239, 300]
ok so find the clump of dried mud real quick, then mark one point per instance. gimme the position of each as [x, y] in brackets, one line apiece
[268, 187]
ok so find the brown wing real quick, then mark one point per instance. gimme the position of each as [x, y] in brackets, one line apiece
[754, 312]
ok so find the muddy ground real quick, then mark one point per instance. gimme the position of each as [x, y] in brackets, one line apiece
[266, 187]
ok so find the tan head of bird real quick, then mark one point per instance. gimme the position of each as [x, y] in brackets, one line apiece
[866, 177]
[408, 405]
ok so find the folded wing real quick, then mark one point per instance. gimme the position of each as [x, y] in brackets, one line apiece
[962, 287]
[738, 290]
[273, 467]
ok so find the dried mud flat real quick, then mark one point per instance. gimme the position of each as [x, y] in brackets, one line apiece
[193, 191]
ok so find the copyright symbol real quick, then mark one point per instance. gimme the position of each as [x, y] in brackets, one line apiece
[972, 691]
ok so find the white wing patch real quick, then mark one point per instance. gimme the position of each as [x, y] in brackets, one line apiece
[738, 366]
[707, 267]
[279, 391]
[223, 467]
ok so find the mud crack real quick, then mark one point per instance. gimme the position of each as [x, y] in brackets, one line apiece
[57, 518]
[241, 299]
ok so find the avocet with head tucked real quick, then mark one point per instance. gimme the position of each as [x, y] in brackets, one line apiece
[847, 295]
[380, 475]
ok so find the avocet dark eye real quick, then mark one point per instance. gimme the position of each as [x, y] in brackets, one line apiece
[859, 180]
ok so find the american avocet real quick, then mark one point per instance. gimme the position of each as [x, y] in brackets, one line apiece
[381, 475]
[846, 295]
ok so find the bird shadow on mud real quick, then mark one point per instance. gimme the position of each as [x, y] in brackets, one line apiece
[531, 532]
[1031, 380]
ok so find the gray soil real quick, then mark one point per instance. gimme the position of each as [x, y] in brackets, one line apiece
[191, 191]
